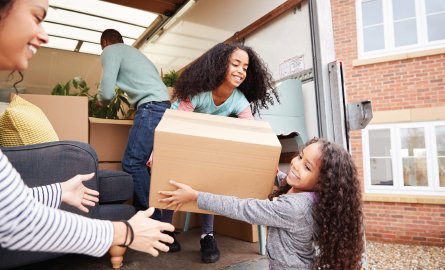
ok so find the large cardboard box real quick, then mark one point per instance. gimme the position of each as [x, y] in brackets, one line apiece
[109, 138]
[68, 114]
[216, 154]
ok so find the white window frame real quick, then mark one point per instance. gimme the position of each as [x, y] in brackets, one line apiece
[388, 29]
[433, 188]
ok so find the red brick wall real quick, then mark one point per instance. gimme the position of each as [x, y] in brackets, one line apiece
[405, 223]
[403, 84]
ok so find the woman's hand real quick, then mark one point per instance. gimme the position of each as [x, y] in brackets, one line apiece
[177, 198]
[76, 194]
[148, 236]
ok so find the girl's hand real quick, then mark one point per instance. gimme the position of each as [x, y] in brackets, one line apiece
[76, 194]
[150, 161]
[177, 198]
[148, 233]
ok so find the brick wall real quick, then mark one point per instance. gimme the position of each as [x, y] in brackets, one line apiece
[403, 84]
[405, 223]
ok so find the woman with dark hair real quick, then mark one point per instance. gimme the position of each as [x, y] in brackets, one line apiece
[227, 80]
[29, 220]
[314, 218]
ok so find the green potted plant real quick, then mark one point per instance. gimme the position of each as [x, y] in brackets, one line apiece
[170, 78]
[118, 105]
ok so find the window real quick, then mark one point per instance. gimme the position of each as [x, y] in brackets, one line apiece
[406, 158]
[387, 27]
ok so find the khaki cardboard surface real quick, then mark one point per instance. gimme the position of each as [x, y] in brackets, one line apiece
[216, 154]
[109, 138]
[236, 229]
[67, 114]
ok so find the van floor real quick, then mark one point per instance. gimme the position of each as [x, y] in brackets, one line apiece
[235, 255]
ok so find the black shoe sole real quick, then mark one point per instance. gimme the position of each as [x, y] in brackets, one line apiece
[210, 260]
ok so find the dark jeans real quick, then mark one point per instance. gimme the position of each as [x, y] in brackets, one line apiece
[139, 148]
[206, 225]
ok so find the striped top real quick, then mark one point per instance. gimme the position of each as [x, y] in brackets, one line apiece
[29, 223]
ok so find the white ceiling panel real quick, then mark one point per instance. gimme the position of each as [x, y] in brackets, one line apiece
[205, 24]
[175, 51]
[82, 22]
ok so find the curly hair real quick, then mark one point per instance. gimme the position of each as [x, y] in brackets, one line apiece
[337, 209]
[209, 71]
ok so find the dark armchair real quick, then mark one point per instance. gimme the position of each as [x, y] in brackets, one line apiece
[47, 163]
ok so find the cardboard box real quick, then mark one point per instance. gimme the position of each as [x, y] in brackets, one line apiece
[216, 154]
[68, 114]
[109, 138]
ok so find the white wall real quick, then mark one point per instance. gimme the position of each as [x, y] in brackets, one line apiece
[51, 66]
[287, 37]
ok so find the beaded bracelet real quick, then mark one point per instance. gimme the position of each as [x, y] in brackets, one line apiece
[129, 231]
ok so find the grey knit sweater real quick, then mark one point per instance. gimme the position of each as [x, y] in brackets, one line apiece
[289, 220]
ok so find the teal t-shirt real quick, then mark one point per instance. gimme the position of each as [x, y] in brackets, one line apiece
[203, 103]
[133, 72]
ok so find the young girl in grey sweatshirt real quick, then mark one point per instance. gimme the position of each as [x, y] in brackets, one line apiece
[314, 218]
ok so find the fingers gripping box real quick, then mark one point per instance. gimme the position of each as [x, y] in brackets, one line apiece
[216, 154]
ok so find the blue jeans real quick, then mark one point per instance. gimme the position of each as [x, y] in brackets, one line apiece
[139, 148]
[206, 226]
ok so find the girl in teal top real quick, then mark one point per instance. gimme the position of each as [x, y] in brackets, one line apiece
[227, 80]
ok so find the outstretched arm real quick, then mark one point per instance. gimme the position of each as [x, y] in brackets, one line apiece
[29, 225]
[71, 192]
[284, 212]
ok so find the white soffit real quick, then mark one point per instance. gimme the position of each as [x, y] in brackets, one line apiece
[204, 24]
[77, 25]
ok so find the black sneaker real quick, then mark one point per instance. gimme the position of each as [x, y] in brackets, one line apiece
[175, 246]
[209, 249]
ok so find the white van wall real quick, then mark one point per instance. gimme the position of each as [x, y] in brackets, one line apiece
[51, 66]
[287, 37]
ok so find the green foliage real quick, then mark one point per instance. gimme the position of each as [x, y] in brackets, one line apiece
[119, 104]
[64, 89]
[170, 78]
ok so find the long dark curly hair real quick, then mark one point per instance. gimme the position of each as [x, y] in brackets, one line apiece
[337, 209]
[209, 71]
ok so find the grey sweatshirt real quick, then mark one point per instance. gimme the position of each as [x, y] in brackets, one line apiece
[289, 220]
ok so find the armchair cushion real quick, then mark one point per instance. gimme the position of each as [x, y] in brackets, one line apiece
[48, 163]
[114, 186]
[23, 123]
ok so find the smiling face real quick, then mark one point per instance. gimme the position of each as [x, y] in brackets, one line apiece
[237, 68]
[305, 169]
[21, 33]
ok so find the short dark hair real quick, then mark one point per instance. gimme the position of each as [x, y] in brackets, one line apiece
[111, 35]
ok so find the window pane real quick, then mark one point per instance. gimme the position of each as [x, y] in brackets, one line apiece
[381, 171]
[373, 38]
[413, 141]
[380, 157]
[436, 29]
[442, 171]
[372, 12]
[440, 142]
[403, 9]
[379, 143]
[434, 6]
[413, 154]
[414, 171]
[405, 32]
